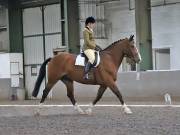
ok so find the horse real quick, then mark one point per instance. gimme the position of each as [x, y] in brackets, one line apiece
[62, 67]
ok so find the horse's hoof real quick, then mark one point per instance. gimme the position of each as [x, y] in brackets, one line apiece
[41, 104]
[127, 110]
[80, 111]
[36, 114]
[89, 111]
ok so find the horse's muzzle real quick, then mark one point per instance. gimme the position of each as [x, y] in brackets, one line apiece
[138, 58]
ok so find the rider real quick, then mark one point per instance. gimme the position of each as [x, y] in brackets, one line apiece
[89, 44]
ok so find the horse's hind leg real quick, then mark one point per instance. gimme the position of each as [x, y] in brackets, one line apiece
[70, 93]
[70, 89]
[100, 92]
[46, 91]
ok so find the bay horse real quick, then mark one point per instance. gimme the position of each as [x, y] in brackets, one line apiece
[62, 67]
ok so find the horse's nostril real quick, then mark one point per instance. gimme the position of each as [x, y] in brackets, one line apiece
[138, 60]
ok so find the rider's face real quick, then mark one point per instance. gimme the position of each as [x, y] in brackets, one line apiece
[92, 25]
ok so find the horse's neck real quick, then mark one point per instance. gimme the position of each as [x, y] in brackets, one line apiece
[116, 53]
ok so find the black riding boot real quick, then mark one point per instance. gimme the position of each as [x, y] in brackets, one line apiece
[86, 70]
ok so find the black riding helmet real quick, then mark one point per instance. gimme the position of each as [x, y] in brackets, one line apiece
[90, 20]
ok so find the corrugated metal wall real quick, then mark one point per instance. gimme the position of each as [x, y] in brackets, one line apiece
[166, 31]
[52, 18]
[33, 50]
[33, 46]
[165, 17]
[32, 21]
[42, 33]
[52, 28]
[52, 41]
[93, 8]
[4, 43]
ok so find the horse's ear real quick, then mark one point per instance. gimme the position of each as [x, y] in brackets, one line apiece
[131, 38]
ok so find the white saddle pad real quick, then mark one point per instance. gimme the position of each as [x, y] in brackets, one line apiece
[80, 61]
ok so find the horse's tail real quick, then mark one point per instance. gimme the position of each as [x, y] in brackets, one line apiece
[42, 73]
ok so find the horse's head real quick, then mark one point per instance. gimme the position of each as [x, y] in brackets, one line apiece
[131, 51]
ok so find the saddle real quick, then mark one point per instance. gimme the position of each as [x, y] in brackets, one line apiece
[82, 59]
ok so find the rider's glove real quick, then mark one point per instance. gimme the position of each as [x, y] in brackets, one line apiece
[98, 48]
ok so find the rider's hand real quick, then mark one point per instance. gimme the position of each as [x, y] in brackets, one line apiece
[98, 48]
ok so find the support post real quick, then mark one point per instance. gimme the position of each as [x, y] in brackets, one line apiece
[15, 27]
[70, 25]
[143, 33]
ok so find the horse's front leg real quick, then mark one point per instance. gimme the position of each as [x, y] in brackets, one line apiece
[116, 91]
[100, 92]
